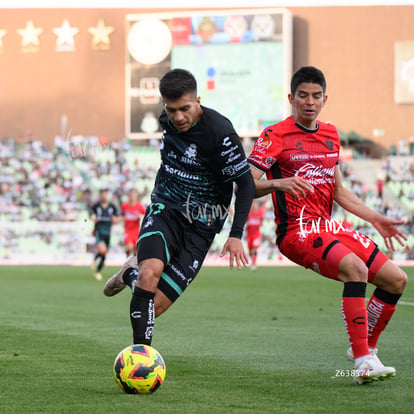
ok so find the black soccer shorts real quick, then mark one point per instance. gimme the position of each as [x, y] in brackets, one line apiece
[102, 238]
[168, 236]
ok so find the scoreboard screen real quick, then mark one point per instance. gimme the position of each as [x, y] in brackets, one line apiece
[242, 61]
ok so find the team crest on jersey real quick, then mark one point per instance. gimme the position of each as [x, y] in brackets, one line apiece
[190, 155]
[329, 144]
[191, 151]
[194, 266]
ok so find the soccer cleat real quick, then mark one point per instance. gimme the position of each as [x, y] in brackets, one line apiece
[372, 369]
[116, 283]
[350, 355]
[97, 276]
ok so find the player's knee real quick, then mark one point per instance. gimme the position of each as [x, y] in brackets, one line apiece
[352, 269]
[147, 275]
[399, 282]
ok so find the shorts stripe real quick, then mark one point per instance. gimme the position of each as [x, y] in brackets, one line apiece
[157, 233]
[330, 245]
[372, 257]
[171, 283]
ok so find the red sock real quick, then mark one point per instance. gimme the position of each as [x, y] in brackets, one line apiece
[354, 313]
[254, 259]
[380, 311]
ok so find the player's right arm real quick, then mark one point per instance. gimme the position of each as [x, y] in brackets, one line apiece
[297, 186]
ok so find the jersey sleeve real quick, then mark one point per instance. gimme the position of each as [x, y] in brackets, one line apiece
[266, 149]
[229, 159]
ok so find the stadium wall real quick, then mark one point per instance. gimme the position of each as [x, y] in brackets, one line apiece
[47, 93]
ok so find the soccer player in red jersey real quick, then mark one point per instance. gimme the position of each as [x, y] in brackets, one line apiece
[300, 159]
[253, 233]
[132, 211]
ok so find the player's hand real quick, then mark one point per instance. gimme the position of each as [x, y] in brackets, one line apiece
[388, 230]
[234, 246]
[297, 186]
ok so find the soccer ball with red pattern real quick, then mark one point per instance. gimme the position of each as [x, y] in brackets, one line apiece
[139, 369]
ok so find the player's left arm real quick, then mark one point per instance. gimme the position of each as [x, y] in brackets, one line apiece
[350, 202]
[243, 202]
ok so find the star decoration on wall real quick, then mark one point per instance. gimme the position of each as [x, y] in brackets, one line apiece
[30, 37]
[100, 35]
[65, 41]
[2, 34]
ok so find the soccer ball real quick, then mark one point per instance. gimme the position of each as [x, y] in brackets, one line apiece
[139, 369]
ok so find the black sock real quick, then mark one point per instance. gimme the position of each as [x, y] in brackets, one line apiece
[100, 262]
[389, 298]
[130, 277]
[142, 315]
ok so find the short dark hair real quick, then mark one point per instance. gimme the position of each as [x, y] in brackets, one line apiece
[307, 74]
[177, 82]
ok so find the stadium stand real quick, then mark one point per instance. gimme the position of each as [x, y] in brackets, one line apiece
[45, 193]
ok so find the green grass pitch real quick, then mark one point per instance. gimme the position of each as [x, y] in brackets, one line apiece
[270, 341]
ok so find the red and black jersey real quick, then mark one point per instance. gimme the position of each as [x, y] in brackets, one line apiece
[255, 220]
[288, 149]
[132, 215]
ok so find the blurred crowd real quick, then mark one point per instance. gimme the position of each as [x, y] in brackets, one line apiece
[42, 184]
[59, 184]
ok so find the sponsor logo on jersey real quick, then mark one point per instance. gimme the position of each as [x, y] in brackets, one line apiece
[229, 151]
[264, 141]
[257, 159]
[299, 145]
[233, 157]
[227, 142]
[180, 173]
[300, 157]
[269, 162]
[177, 272]
[316, 174]
[234, 169]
